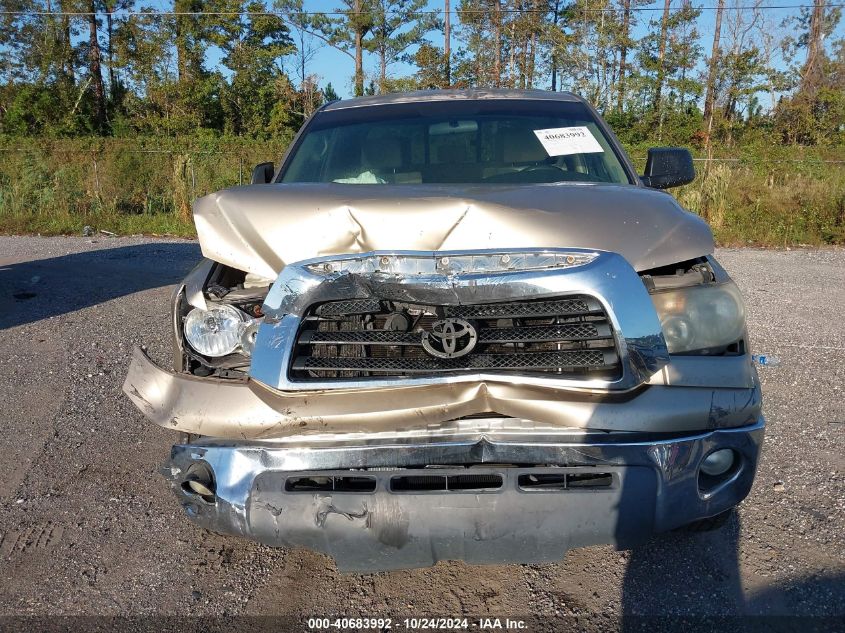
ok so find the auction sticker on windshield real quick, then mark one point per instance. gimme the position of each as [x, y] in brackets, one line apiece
[562, 141]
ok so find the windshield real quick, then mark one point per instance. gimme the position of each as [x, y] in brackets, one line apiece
[492, 141]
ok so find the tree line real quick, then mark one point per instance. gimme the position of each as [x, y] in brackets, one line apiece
[244, 67]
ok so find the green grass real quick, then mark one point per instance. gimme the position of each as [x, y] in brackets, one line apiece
[130, 186]
[62, 223]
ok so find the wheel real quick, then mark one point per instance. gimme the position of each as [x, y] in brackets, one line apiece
[710, 523]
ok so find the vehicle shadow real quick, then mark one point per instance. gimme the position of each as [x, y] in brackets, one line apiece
[683, 574]
[693, 581]
[43, 288]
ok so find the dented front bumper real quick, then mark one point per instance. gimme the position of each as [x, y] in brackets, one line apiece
[691, 394]
[276, 451]
[651, 485]
[647, 443]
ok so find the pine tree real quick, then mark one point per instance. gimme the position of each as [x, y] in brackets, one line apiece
[397, 26]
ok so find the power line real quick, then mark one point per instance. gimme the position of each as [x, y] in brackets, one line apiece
[246, 150]
[130, 13]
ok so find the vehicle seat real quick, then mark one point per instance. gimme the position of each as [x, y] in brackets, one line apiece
[517, 152]
[520, 145]
[383, 157]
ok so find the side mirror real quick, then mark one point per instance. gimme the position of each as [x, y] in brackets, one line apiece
[668, 167]
[262, 174]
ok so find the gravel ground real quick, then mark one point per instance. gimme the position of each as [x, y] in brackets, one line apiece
[88, 527]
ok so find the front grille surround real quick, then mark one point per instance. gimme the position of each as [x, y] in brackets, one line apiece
[607, 279]
[568, 336]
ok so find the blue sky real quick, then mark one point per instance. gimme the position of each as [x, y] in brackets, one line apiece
[337, 68]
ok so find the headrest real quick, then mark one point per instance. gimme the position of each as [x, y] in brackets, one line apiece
[520, 145]
[383, 153]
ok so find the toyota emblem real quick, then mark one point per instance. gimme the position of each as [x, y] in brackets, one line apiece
[450, 338]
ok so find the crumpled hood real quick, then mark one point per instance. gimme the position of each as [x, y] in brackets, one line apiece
[262, 228]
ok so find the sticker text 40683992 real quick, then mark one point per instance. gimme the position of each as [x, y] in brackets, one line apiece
[561, 141]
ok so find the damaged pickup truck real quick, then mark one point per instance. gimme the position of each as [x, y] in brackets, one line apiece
[456, 325]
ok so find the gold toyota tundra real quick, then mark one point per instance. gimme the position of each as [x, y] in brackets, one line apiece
[456, 325]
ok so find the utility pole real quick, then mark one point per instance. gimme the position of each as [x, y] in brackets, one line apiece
[359, 50]
[497, 43]
[623, 53]
[661, 69]
[710, 95]
[661, 56]
[556, 17]
[447, 43]
[96, 73]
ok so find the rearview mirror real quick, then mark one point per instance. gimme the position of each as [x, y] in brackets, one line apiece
[668, 167]
[452, 127]
[262, 174]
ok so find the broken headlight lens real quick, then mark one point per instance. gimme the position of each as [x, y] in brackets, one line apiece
[215, 332]
[702, 319]
[450, 264]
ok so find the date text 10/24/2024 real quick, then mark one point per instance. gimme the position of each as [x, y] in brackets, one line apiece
[417, 624]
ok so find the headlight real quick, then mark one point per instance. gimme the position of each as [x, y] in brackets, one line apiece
[215, 332]
[700, 318]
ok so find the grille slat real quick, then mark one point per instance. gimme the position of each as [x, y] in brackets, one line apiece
[362, 337]
[559, 307]
[446, 483]
[566, 360]
[351, 306]
[536, 334]
[529, 334]
[374, 338]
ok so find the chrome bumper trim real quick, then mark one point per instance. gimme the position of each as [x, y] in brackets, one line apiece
[655, 489]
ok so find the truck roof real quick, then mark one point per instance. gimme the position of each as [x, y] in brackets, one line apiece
[422, 96]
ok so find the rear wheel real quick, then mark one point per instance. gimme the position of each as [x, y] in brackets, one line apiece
[710, 523]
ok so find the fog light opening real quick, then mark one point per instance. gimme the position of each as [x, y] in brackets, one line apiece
[199, 482]
[717, 468]
[718, 462]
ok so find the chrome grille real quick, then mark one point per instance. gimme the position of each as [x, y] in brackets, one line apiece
[530, 334]
[354, 306]
[568, 361]
[525, 309]
[363, 338]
